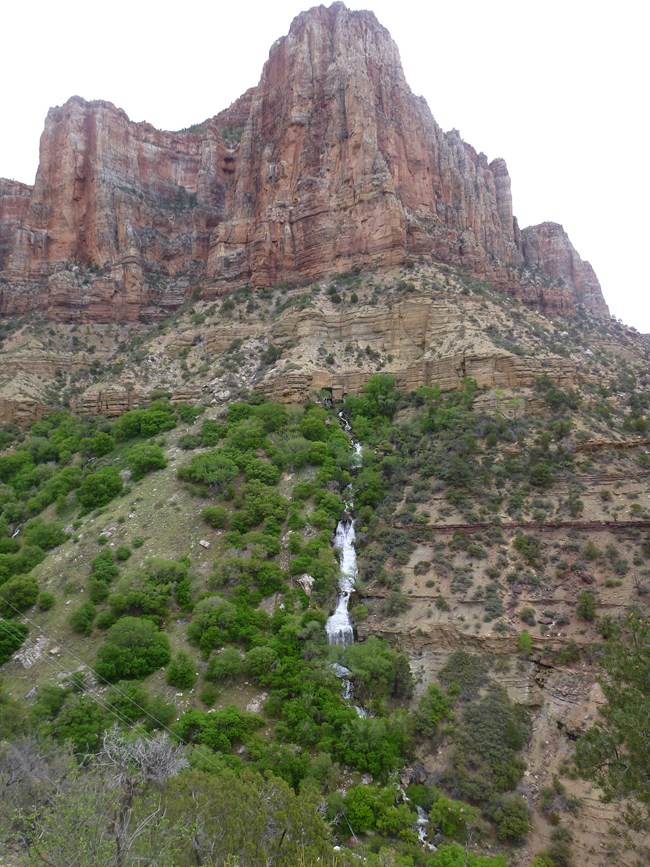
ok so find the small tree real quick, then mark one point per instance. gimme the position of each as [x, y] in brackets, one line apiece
[134, 648]
[99, 488]
[81, 619]
[145, 458]
[180, 671]
[17, 594]
[525, 644]
[12, 635]
[215, 516]
[225, 666]
[586, 607]
[614, 753]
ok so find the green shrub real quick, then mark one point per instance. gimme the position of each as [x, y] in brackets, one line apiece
[46, 536]
[451, 817]
[12, 636]
[434, 707]
[528, 616]
[82, 617]
[143, 459]
[209, 694]
[525, 644]
[510, 814]
[122, 553]
[260, 661]
[45, 600]
[145, 422]
[468, 673]
[225, 666]
[100, 488]
[134, 648]
[17, 594]
[586, 607]
[215, 516]
[180, 671]
[212, 468]
[80, 722]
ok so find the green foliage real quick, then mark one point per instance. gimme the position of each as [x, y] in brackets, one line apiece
[614, 751]
[525, 644]
[98, 445]
[527, 614]
[245, 818]
[215, 516]
[510, 814]
[46, 536]
[12, 714]
[212, 468]
[103, 567]
[542, 475]
[371, 808]
[529, 547]
[144, 458]
[17, 594]
[82, 617]
[133, 649]
[466, 672]
[375, 745]
[145, 422]
[12, 636]
[586, 607]
[456, 856]
[434, 707]
[451, 817]
[555, 397]
[181, 671]
[80, 722]
[220, 730]
[226, 665]
[377, 671]
[99, 488]
[484, 759]
[45, 600]
[260, 661]
[150, 589]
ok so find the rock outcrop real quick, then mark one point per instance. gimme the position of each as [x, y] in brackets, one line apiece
[330, 162]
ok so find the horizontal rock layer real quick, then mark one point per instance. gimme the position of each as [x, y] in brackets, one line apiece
[330, 162]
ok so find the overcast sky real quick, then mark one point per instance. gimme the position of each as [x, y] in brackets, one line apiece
[557, 88]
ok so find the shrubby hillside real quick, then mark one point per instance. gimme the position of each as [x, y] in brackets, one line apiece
[168, 691]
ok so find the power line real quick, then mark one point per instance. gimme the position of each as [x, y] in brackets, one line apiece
[99, 677]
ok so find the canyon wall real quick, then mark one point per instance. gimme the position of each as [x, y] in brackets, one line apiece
[331, 162]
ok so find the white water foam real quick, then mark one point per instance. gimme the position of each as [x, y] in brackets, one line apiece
[339, 626]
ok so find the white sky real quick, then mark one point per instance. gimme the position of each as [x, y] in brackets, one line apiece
[558, 88]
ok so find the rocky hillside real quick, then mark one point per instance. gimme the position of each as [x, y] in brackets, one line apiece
[330, 163]
[504, 494]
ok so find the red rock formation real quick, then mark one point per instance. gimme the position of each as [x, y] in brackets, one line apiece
[14, 202]
[328, 163]
[548, 253]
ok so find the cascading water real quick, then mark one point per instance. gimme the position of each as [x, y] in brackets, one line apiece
[339, 626]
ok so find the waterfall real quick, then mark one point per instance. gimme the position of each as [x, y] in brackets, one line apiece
[339, 626]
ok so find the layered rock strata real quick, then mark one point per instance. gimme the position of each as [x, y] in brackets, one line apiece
[330, 162]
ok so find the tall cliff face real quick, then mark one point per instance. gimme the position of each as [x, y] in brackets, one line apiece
[330, 162]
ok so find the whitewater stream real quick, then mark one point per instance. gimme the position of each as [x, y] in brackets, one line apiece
[339, 626]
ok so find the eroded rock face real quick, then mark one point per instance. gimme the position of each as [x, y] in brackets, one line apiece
[330, 162]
